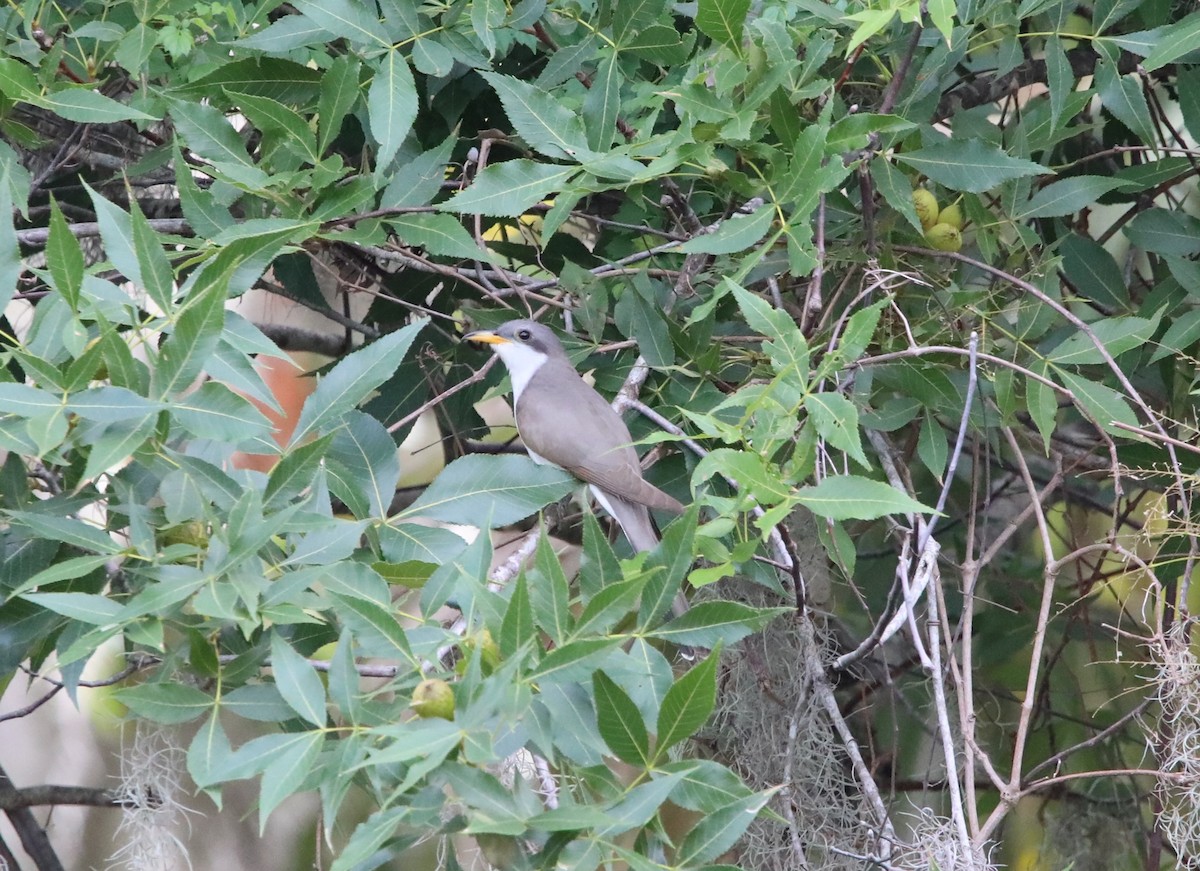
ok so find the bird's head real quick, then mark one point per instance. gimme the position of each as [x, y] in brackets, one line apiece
[522, 345]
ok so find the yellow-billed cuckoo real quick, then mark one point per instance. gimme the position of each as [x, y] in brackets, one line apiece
[566, 423]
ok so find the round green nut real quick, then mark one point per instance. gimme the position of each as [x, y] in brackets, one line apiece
[926, 205]
[433, 698]
[944, 237]
[489, 652]
[951, 215]
[193, 532]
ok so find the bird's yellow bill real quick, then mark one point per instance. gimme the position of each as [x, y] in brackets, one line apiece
[486, 337]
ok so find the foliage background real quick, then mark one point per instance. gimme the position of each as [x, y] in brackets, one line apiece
[942, 541]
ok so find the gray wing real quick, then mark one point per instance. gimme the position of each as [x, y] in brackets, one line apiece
[589, 421]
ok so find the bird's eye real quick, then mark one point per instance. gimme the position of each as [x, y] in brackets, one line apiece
[524, 335]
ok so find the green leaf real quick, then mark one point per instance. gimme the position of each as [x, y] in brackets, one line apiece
[158, 278]
[260, 702]
[659, 43]
[486, 18]
[775, 324]
[722, 20]
[853, 131]
[108, 404]
[87, 608]
[548, 126]
[294, 471]
[206, 217]
[11, 264]
[641, 804]
[1122, 96]
[353, 379]
[1066, 197]
[1059, 76]
[1102, 404]
[971, 165]
[1042, 400]
[64, 258]
[85, 106]
[344, 683]
[365, 617]
[67, 530]
[417, 181]
[441, 235]
[340, 89]
[409, 542]
[573, 661]
[391, 105]
[687, 705]
[749, 470]
[1181, 335]
[208, 752]
[1181, 38]
[116, 231]
[1093, 272]
[609, 607]
[297, 682]
[290, 766]
[64, 570]
[363, 466]
[846, 497]
[620, 722]
[550, 593]
[195, 337]
[505, 190]
[736, 233]
[269, 115]
[26, 401]
[167, 703]
[368, 837]
[667, 566]
[715, 622]
[285, 34]
[213, 411]
[941, 12]
[209, 134]
[716, 832]
[932, 447]
[432, 58]
[860, 329]
[602, 103]
[836, 419]
[598, 563]
[1116, 335]
[345, 18]
[707, 786]
[518, 628]
[135, 48]
[639, 316]
[495, 490]
[1163, 231]
[897, 190]
[569, 818]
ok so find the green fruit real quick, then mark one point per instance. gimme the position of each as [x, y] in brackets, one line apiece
[951, 215]
[192, 532]
[433, 698]
[926, 205]
[1077, 25]
[489, 652]
[944, 237]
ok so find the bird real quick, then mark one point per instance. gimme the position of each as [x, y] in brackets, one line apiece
[564, 422]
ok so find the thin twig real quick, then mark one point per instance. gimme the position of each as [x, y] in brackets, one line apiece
[474, 378]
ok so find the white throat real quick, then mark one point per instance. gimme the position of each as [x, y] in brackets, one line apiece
[522, 362]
